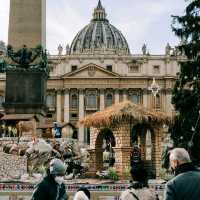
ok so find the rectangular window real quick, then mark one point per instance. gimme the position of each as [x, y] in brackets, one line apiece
[157, 102]
[49, 115]
[74, 115]
[156, 69]
[109, 68]
[74, 68]
[87, 136]
[134, 69]
[109, 100]
[74, 101]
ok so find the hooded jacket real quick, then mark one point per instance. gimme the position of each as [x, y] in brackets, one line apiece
[49, 189]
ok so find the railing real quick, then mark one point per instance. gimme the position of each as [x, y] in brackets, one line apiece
[98, 191]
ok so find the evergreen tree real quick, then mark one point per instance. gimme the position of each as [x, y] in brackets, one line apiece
[186, 93]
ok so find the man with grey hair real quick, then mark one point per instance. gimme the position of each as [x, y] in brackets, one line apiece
[186, 183]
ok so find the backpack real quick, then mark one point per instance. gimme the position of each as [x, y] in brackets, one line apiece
[133, 194]
[129, 194]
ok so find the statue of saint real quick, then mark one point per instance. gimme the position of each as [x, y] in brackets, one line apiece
[167, 49]
[60, 50]
[67, 49]
[144, 49]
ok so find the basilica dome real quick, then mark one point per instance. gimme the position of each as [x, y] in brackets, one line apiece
[100, 37]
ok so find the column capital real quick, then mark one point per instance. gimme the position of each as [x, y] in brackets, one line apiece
[123, 89]
[81, 90]
[58, 91]
[146, 91]
[66, 90]
[116, 89]
[109, 90]
[102, 90]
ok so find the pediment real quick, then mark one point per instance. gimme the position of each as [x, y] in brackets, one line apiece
[91, 71]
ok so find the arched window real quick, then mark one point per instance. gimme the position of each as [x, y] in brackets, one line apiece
[1, 101]
[91, 100]
[134, 97]
[157, 102]
[74, 103]
[109, 100]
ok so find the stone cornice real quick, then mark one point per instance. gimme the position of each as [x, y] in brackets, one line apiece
[118, 57]
[124, 77]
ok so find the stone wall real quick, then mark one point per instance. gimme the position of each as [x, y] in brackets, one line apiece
[12, 166]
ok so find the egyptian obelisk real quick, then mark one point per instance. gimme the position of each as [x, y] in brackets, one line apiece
[27, 23]
[26, 76]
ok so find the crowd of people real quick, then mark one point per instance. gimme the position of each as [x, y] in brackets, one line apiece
[8, 131]
[185, 184]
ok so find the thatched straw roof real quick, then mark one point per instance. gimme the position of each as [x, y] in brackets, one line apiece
[125, 112]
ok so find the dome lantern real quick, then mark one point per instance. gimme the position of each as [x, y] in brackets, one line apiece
[99, 12]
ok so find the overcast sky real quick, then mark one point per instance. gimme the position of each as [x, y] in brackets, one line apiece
[141, 21]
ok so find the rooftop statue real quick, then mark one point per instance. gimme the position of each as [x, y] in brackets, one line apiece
[167, 49]
[144, 49]
[60, 50]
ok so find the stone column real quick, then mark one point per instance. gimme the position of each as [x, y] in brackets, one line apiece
[81, 115]
[168, 104]
[102, 99]
[122, 160]
[122, 149]
[125, 95]
[116, 96]
[66, 106]
[145, 98]
[157, 156]
[58, 106]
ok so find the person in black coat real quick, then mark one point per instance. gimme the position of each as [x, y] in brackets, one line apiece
[186, 183]
[52, 186]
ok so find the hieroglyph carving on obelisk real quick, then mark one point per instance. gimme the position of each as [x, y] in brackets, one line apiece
[27, 23]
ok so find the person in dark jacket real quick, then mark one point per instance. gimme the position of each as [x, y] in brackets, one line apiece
[52, 186]
[186, 183]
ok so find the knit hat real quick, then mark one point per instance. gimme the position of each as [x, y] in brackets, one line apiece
[57, 167]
